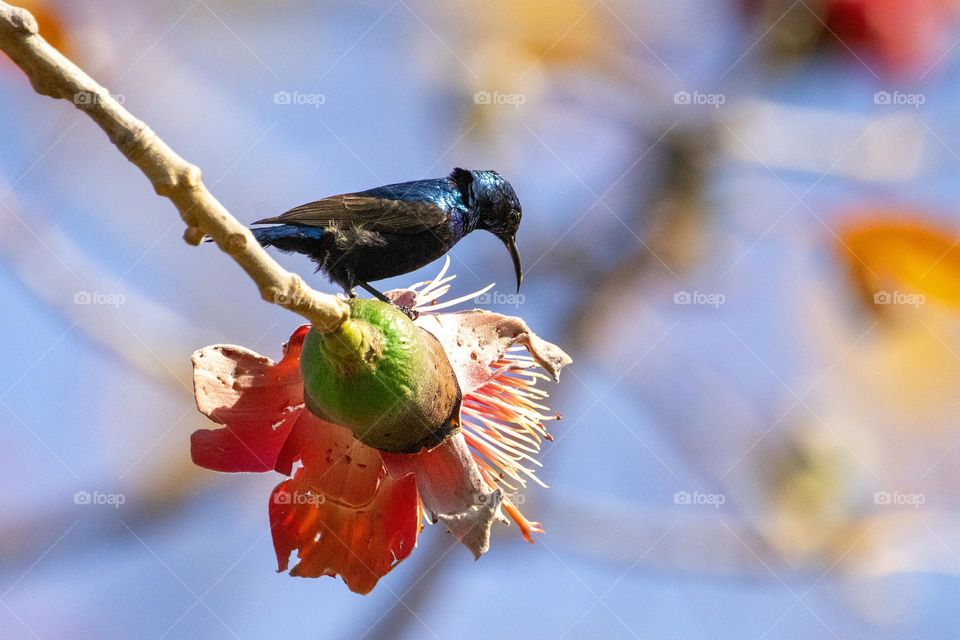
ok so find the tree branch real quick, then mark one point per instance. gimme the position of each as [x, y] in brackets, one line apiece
[52, 74]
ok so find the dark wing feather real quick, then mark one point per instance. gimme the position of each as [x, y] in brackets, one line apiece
[370, 212]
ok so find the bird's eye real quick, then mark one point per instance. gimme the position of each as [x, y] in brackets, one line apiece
[515, 215]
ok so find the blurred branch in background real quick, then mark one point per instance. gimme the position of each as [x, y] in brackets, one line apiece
[826, 142]
[150, 339]
[152, 348]
[671, 220]
[62, 275]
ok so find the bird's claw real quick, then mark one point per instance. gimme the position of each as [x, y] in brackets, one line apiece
[410, 312]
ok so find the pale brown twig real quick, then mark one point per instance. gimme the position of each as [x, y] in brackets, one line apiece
[52, 74]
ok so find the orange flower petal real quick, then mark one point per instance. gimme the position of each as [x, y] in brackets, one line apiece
[257, 401]
[452, 490]
[360, 545]
[252, 446]
[474, 340]
[334, 462]
[527, 527]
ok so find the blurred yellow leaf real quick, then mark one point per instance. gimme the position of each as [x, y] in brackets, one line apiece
[906, 266]
[569, 31]
[892, 256]
[516, 48]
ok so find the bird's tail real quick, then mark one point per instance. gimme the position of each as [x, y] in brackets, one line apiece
[264, 236]
[267, 236]
[285, 237]
[288, 237]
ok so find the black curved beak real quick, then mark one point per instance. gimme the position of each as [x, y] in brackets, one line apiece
[511, 243]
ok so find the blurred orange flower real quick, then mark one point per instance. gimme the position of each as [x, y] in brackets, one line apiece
[891, 255]
[907, 37]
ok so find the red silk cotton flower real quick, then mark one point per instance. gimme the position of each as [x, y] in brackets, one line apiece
[908, 36]
[351, 510]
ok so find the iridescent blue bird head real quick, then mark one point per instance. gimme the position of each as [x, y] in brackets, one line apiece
[496, 207]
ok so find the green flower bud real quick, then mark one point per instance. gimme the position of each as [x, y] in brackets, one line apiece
[382, 377]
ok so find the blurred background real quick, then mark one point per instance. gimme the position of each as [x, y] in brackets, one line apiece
[741, 221]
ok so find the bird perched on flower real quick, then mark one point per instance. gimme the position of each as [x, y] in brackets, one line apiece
[357, 238]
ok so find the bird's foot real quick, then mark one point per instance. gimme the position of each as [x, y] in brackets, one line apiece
[410, 312]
